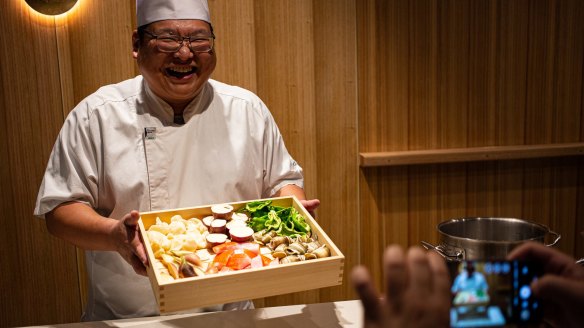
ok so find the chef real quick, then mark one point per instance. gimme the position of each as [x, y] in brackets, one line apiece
[169, 138]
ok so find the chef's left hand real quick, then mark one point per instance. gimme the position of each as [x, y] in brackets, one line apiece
[310, 205]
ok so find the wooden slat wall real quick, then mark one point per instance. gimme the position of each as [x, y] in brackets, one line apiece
[341, 77]
[268, 47]
[33, 263]
[335, 59]
[455, 74]
[234, 26]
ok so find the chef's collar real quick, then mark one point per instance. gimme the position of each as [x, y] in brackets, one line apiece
[164, 111]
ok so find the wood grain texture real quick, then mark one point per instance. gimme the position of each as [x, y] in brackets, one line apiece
[341, 77]
[335, 61]
[470, 154]
[35, 267]
[223, 288]
[234, 26]
[100, 35]
[465, 75]
[370, 217]
[285, 72]
[285, 57]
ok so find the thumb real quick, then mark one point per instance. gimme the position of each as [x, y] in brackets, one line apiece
[311, 204]
[559, 290]
[131, 219]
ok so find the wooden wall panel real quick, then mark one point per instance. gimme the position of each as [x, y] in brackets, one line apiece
[100, 35]
[568, 80]
[472, 73]
[234, 27]
[336, 131]
[383, 46]
[505, 92]
[422, 115]
[34, 266]
[452, 79]
[285, 57]
[369, 213]
[340, 77]
[285, 71]
[265, 46]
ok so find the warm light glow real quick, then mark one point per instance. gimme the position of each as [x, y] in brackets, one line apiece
[56, 20]
[52, 8]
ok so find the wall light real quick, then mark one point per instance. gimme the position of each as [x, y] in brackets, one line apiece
[51, 7]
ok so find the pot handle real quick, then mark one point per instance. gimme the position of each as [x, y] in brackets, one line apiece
[458, 255]
[558, 236]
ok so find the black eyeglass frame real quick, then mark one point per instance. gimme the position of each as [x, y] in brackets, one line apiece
[181, 40]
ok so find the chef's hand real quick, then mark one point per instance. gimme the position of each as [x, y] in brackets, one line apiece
[561, 288]
[417, 290]
[294, 190]
[129, 244]
[310, 205]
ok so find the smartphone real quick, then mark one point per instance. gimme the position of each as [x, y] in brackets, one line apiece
[493, 293]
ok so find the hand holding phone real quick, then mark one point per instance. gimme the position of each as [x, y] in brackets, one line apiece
[561, 288]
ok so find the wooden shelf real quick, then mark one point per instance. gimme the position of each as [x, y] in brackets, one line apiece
[453, 155]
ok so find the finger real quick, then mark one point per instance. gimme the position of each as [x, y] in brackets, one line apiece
[564, 292]
[420, 282]
[441, 282]
[140, 252]
[138, 266]
[311, 204]
[137, 246]
[369, 297]
[553, 261]
[394, 267]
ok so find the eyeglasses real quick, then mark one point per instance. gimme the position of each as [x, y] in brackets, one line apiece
[172, 43]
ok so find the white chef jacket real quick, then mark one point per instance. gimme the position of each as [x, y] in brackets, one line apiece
[119, 150]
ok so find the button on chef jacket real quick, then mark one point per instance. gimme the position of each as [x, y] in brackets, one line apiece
[120, 150]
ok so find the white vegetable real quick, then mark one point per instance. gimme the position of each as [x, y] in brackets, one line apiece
[215, 239]
[218, 226]
[222, 211]
[241, 233]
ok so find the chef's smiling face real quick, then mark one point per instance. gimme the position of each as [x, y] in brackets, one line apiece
[178, 76]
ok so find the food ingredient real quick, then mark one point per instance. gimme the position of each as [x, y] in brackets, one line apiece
[174, 245]
[232, 256]
[222, 211]
[241, 234]
[292, 249]
[285, 221]
[257, 235]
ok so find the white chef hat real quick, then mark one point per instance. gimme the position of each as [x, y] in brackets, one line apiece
[149, 11]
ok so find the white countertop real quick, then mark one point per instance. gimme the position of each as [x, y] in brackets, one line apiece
[329, 315]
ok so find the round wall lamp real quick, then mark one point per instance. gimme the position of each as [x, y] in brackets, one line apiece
[51, 7]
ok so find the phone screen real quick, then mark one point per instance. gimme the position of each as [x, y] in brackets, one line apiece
[493, 293]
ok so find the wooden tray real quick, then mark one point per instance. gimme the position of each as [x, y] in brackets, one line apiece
[187, 293]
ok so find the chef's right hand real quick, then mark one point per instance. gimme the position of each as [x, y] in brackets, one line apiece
[561, 288]
[128, 242]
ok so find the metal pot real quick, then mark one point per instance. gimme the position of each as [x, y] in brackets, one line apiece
[486, 238]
